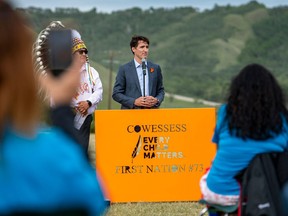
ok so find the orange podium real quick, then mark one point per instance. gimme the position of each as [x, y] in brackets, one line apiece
[153, 155]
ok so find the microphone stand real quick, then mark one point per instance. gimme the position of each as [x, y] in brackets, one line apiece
[144, 83]
[144, 74]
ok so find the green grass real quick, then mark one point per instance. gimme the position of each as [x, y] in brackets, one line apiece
[155, 209]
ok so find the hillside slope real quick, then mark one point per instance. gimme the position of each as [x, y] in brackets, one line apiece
[199, 53]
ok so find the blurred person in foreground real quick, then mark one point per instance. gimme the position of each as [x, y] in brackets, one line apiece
[253, 121]
[89, 93]
[129, 88]
[41, 169]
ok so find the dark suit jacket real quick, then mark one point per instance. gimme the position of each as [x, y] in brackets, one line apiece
[127, 88]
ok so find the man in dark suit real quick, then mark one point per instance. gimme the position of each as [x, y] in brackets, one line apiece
[139, 83]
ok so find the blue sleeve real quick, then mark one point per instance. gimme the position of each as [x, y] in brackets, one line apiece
[220, 119]
[83, 183]
[71, 169]
[285, 129]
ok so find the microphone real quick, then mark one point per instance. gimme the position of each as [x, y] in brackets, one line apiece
[144, 66]
[144, 74]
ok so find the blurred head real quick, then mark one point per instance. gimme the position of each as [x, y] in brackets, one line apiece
[256, 104]
[17, 82]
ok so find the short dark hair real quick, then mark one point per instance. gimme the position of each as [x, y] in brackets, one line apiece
[135, 39]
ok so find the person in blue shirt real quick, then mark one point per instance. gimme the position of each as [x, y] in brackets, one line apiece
[42, 170]
[253, 121]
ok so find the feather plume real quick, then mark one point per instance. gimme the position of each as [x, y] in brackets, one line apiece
[137, 148]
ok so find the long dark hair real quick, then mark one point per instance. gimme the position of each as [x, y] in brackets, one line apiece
[256, 104]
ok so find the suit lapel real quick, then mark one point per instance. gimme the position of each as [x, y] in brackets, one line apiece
[134, 75]
[150, 77]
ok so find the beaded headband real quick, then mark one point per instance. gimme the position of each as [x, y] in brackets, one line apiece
[78, 44]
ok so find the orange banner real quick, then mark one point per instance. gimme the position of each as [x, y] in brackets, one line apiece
[153, 155]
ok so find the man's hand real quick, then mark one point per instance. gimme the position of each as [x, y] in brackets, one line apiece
[148, 101]
[83, 107]
[151, 101]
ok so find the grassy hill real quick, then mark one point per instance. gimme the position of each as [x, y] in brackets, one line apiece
[198, 52]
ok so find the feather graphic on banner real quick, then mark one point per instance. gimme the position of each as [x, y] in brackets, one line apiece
[136, 149]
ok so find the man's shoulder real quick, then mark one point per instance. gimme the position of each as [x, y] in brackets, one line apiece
[152, 64]
[128, 64]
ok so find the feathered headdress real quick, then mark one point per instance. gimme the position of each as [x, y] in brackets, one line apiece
[40, 47]
[41, 51]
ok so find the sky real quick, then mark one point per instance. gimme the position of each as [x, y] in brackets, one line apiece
[108, 6]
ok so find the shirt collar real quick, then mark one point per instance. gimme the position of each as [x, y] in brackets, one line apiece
[136, 63]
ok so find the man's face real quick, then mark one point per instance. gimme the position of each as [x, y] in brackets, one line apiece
[141, 51]
[81, 55]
